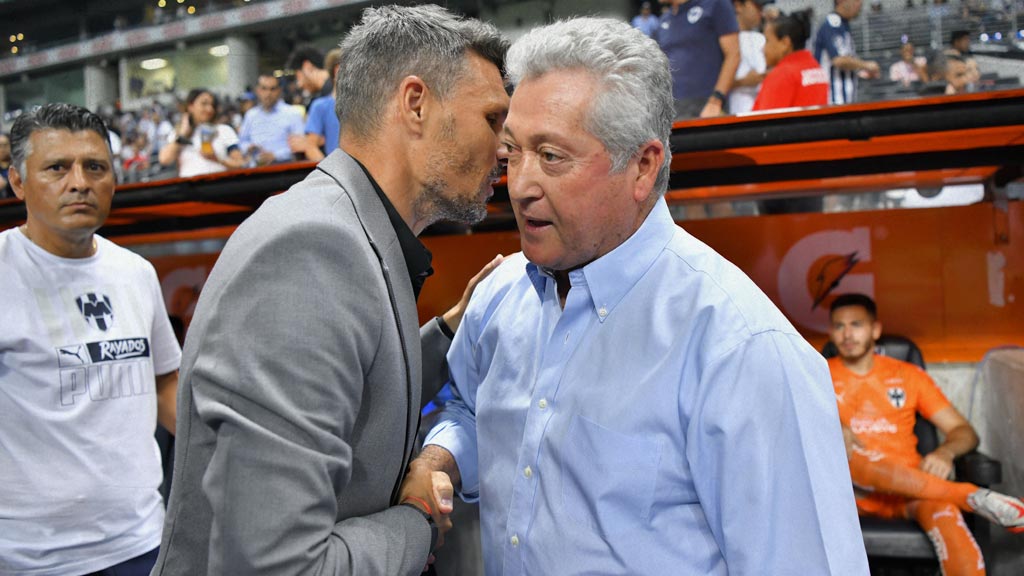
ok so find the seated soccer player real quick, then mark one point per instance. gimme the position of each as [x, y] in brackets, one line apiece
[878, 398]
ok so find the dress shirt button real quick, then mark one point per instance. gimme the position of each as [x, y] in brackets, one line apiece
[602, 312]
[542, 404]
[528, 472]
[514, 540]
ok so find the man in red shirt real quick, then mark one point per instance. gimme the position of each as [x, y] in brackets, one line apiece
[879, 398]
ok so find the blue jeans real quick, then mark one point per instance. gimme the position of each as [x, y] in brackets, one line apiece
[138, 566]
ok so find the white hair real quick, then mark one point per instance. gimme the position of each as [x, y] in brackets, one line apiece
[635, 102]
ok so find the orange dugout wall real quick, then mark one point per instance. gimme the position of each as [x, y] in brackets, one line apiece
[941, 276]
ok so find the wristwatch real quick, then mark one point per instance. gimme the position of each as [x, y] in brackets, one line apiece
[430, 522]
[717, 94]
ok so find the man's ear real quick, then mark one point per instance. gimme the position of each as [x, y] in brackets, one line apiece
[876, 330]
[14, 178]
[413, 93]
[649, 162]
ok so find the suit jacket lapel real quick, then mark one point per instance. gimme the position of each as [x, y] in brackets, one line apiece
[374, 218]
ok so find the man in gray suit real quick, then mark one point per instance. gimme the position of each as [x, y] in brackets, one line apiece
[301, 377]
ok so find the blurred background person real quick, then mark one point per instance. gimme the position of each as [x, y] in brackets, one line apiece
[5, 165]
[645, 21]
[307, 63]
[955, 71]
[267, 128]
[960, 47]
[322, 128]
[795, 79]
[198, 146]
[909, 69]
[835, 51]
[750, 72]
[701, 40]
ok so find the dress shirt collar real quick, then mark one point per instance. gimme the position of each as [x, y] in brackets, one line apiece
[417, 257]
[612, 276]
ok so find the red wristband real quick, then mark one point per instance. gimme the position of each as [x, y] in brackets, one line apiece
[419, 501]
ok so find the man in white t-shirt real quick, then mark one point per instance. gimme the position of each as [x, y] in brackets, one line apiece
[752, 64]
[88, 365]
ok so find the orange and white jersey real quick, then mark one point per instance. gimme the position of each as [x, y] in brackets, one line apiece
[880, 406]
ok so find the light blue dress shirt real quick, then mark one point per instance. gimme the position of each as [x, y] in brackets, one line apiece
[270, 130]
[669, 420]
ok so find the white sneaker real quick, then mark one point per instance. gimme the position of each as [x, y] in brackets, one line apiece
[1001, 509]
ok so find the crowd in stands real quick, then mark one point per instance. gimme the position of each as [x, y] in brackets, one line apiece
[145, 144]
[727, 56]
[718, 51]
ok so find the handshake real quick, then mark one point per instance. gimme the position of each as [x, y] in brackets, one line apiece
[429, 487]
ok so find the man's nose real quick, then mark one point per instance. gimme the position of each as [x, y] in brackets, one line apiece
[77, 180]
[523, 183]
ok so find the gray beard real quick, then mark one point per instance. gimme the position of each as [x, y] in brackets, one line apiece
[434, 204]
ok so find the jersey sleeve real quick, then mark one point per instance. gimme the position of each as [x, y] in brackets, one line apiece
[723, 18]
[931, 400]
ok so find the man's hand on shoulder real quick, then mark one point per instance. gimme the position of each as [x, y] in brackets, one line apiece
[453, 317]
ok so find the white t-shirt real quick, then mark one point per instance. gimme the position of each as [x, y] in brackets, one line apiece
[80, 343]
[192, 163]
[741, 98]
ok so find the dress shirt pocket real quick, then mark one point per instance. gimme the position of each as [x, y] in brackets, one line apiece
[608, 477]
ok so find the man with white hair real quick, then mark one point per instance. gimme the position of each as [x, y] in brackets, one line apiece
[629, 402]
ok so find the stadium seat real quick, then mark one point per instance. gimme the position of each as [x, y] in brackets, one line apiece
[902, 540]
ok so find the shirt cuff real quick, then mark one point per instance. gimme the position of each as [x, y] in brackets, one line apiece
[455, 439]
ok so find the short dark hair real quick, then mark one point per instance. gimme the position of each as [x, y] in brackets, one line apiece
[54, 116]
[305, 52]
[392, 42]
[854, 299]
[795, 26]
[957, 35]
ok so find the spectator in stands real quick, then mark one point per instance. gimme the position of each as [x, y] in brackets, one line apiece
[305, 374]
[679, 471]
[5, 165]
[89, 364]
[909, 68]
[135, 157]
[701, 39]
[645, 21]
[957, 75]
[322, 128]
[752, 66]
[878, 399]
[307, 63]
[960, 46]
[834, 50]
[267, 128]
[795, 79]
[198, 146]
[959, 43]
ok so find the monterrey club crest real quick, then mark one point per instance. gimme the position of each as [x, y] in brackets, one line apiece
[694, 14]
[897, 396]
[96, 309]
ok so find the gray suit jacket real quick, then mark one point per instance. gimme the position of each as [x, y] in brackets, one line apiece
[300, 393]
